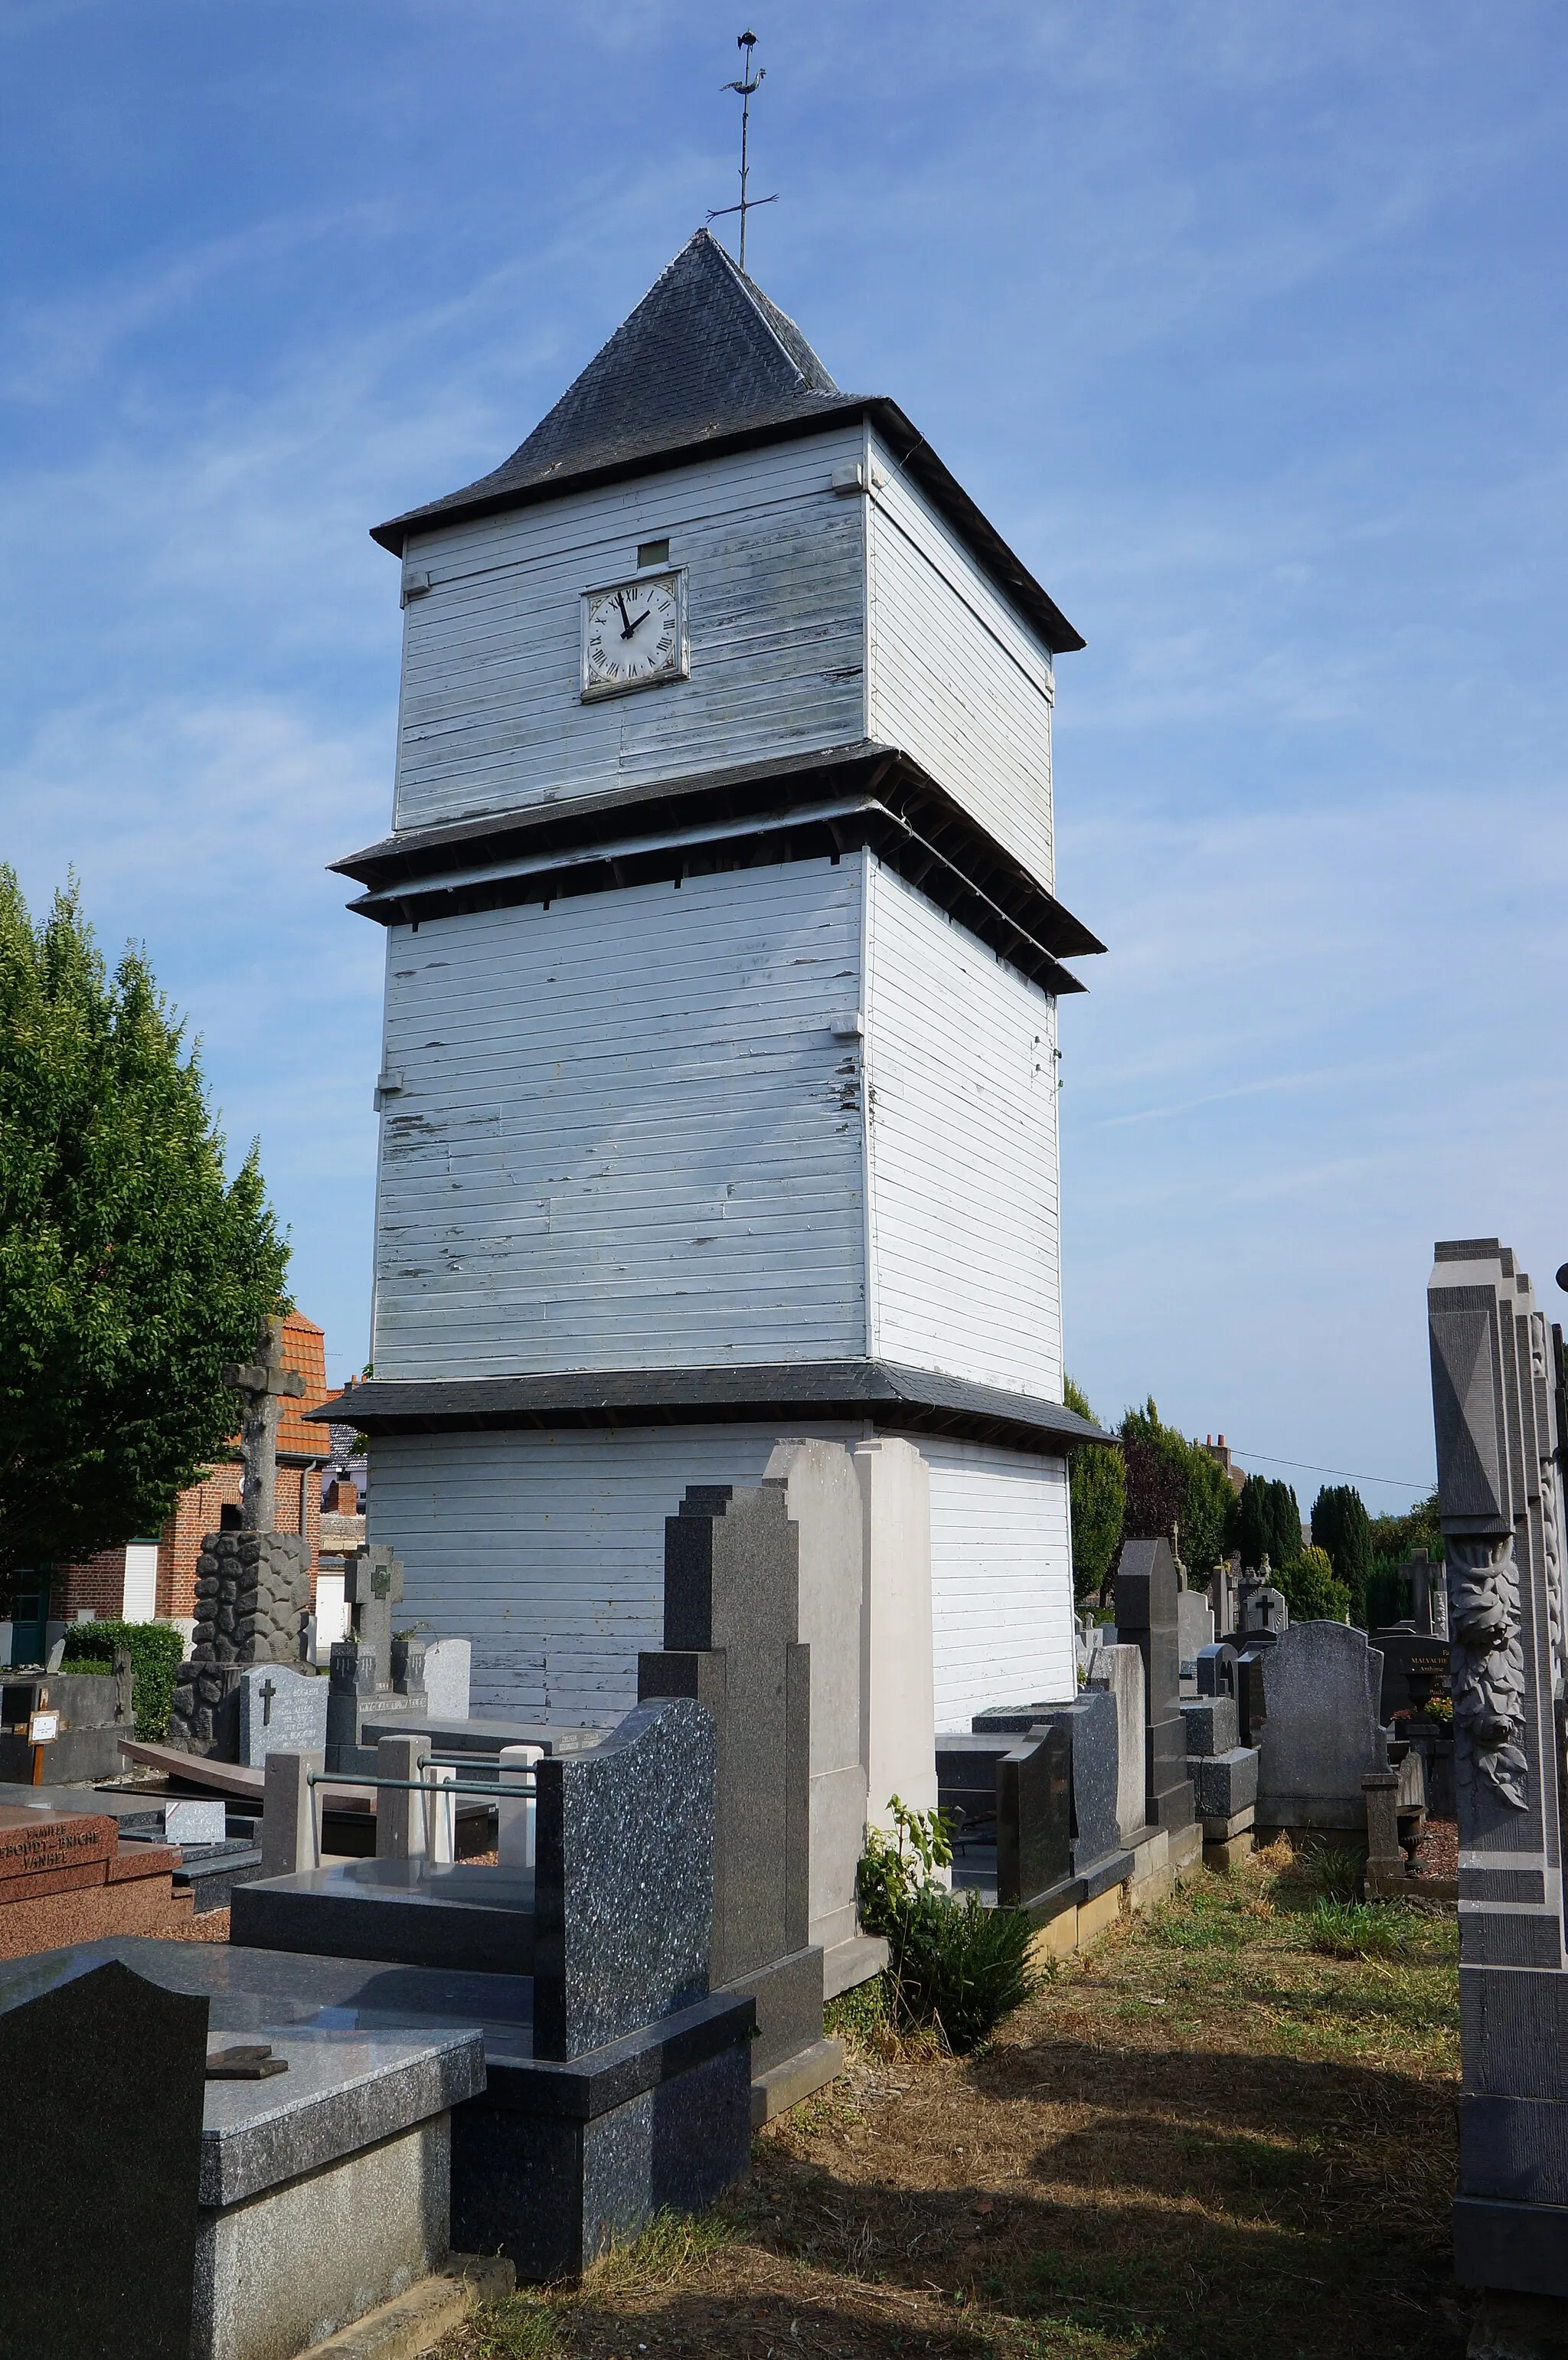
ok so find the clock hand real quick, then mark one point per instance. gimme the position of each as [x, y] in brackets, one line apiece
[627, 626]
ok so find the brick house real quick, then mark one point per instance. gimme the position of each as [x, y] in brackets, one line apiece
[147, 1577]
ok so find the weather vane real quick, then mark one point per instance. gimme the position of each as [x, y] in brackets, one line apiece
[748, 83]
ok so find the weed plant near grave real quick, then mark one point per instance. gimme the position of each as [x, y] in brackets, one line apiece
[1207, 2138]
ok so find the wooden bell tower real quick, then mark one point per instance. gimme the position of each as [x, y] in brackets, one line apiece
[718, 1096]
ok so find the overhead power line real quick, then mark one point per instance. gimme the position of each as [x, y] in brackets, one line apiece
[1395, 1482]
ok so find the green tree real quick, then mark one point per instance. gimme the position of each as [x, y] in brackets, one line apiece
[1097, 1483]
[1418, 1527]
[1342, 1527]
[1312, 1591]
[1268, 1522]
[131, 1270]
[1175, 1487]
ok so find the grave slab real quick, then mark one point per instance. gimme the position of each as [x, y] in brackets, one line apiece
[1118, 1668]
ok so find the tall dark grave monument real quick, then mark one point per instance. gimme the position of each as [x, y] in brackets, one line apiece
[1497, 1406]
[731, 1640]
[1147, 1583]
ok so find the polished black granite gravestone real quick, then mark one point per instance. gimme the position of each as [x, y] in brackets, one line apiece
[617, 2084]
[731, 1626]
[1146, 1583]
[1034, 1823]
[104, 2080]
[624, 1879]
[1099, 1858]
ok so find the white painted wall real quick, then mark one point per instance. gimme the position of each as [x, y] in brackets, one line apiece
[954, 676]
[547, 1551]
[491, 718]
[626, 1136]
[1001, 1580]
[962, 1132]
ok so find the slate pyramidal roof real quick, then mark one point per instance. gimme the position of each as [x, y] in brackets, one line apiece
[707, 364]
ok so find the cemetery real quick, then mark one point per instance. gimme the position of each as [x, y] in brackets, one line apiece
[718, 1563]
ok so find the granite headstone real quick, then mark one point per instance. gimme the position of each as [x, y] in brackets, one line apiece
[1118, 1669]
[448, 1663]
[279, 1711]
[1090, 1720]
[731, 1633]
[105, 2080]
[1322, 1734]
[1147, 1585]
[1034, 1819]
[624, 1879]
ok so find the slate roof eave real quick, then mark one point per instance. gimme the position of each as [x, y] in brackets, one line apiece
[918, 1400]
[812, 414]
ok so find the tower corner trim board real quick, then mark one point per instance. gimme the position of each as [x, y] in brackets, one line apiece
[725, 959]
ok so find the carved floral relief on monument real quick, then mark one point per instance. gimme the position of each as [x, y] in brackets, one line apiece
[1487, 1659]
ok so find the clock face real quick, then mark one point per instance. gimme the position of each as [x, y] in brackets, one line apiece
[633, 634]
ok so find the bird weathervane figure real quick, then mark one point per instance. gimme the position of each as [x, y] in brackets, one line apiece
[748, 83]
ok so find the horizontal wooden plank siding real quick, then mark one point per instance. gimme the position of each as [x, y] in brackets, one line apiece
[956, 677]
[1001, 1580]
[626, 1136]
[547, 1551]
[965, 1273]
[491, 720]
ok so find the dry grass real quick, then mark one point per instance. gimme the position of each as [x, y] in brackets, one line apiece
[1210, 2138]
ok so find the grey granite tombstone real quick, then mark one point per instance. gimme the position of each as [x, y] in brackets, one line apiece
[351, 1679]
[823, 1499]
[373, 1587]
[1147, 1583]
[1261, 1611]
[279, 1711]
[1497, 1385]
[104, 2077]
[1118, 1669]
[1194, 1629]
[1034, 1821]
[1323, 1733]
[1429, 1593]
[447, 1668]
[1098, 1857]
[730, 1641]
[624, 1878]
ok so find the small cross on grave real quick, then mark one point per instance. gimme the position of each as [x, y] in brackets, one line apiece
[263, 1383]
[268, 1689]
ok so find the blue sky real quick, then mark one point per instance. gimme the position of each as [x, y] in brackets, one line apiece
[1246, 323]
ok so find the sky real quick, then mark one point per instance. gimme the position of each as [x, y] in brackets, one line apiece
[1243, 321]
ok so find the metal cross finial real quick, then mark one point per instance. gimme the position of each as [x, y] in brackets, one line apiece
[747, 85]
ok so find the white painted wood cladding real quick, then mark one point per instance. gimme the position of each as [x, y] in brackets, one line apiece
[628, 1135]
[955, 677]
[815, 621]
[547, 1552]
[625, 1135]
[491, 716]
[962, 1144]
[1001, 1580]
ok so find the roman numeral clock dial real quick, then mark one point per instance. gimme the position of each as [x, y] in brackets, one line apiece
[633, 634]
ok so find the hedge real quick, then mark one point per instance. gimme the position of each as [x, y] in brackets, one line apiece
[157, 1652]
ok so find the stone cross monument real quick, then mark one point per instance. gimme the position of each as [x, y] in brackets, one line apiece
[252, 1587]
[262, 1383]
